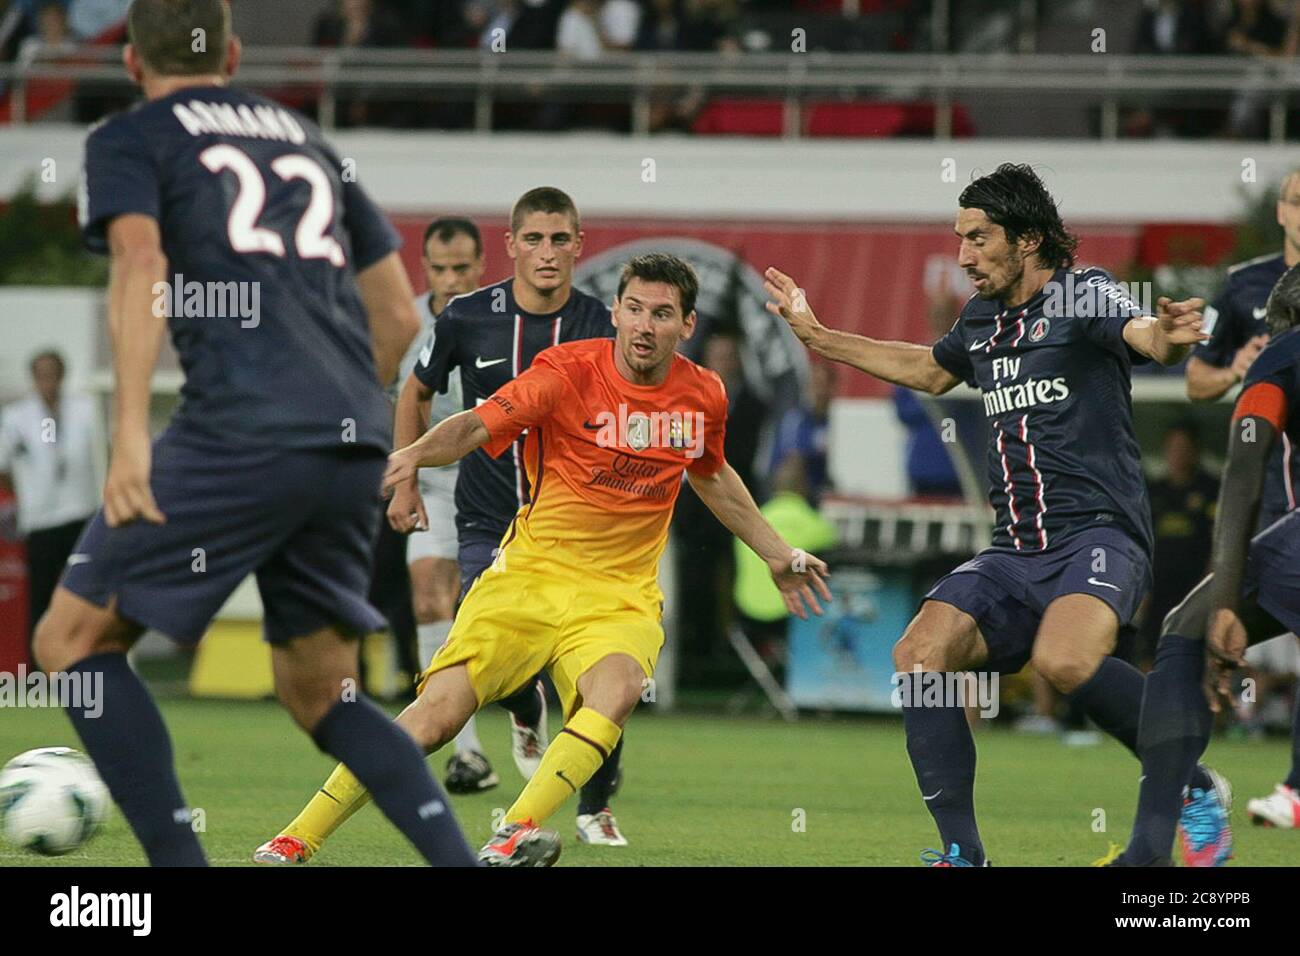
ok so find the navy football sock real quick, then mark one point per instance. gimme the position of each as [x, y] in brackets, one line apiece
[596, 792]
[942, 752]
[388, 763]
[1112, 698]
[1293, 778]
[525, 704]
[133, 753]
[1176, 725]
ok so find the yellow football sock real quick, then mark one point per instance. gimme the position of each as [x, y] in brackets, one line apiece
[341, 796]
[568, 763]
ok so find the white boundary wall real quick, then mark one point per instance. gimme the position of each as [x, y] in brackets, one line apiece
[734, 178]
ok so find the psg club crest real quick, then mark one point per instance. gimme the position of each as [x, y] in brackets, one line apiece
[638, 431]
[1038, 331]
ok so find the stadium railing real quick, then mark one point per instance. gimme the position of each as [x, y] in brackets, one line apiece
[321, 77]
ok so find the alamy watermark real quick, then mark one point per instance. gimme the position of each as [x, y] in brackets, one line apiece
[683, 431]
[209, 300]
[82, 691]
[1097, 297]
[964, 689]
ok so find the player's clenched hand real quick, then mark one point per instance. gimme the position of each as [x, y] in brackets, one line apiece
[406, 509]
[1225, 643]
[797, 577]
[402, 469]
[1246, 355]
[1180, 321]
[790, 303]
[127, 495]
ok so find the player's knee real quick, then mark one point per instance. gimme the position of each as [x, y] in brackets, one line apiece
[1065, 669]
[309, 704]
[429, 609]
[919, 648]
[63, 638]
[430, 722]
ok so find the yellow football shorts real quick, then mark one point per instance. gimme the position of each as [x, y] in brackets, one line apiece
[523, 616]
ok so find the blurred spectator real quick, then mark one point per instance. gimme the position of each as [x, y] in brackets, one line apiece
[487, 17]
[804, 431]
[49, 453]
[577, 35]
[660, 29]
[52, 34]
[762, 613]
[1182, 516]
[359, 23]
[535, 24]
[1256, 29]
[90, 18]
[355, 24]
[929, 465]
[620, 21]
[1176, 27]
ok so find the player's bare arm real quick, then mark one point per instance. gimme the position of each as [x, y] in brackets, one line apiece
[388, 296]
[410, 421]
[902, 363]
[1206, 382]
[135, 333]
[450, 440]
[1169, 335]
[796, 574]
[1250, 443]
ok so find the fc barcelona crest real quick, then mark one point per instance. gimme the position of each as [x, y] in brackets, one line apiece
[638, 431]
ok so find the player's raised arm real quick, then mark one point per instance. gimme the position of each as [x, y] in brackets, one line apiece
[1167, 337]
[902, 363]
[135, 330]
[388, 296]
[450, 440]
[796, 573]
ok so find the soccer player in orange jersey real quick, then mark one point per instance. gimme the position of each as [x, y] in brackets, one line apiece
[611, 427]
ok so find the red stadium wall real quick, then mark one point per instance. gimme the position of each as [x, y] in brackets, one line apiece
[875, 279]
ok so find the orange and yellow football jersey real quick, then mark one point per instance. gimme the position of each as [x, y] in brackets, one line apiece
[605, 457]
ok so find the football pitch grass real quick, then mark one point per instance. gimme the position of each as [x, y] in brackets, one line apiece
[699, 790]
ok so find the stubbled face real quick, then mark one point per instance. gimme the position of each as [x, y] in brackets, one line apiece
[452, 268]
[544, 248]
[650, 324]
[48, 380]
[994, 265]
[1288, 212]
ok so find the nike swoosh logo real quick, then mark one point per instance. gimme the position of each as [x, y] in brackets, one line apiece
[1260, 313]
[592, 428]
[978, 345]
[75, 559]
[932, 796]
[560, 774]
[479, 363]
[1103, 584]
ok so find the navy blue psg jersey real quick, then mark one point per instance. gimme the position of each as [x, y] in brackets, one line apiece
[1279, 364]
[491, 340]
[264, 234]
[1235, 317]
[1054, 375]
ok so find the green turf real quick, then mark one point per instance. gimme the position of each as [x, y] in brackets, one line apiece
[699, 790]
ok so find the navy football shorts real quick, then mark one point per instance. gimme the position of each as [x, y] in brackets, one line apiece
[475, 552]
[1273, 571]
[302, 520]
[1007, 591]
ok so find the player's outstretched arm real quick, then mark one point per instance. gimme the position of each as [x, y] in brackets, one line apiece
[389, 300]
[450, 440]
[410, 421]
[1167, 337]
[1206, 382]
[796, 573]
[902, 363]
[135, 330]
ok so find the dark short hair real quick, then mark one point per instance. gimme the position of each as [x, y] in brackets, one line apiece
[1283, 308]
[1014, 197]
[448, 228]
[662, 267]
[544, 199]
[51, 354]
[162, 32]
